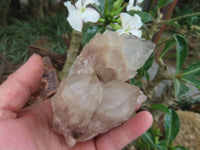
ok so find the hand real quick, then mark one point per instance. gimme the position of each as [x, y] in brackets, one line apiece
[30, 128]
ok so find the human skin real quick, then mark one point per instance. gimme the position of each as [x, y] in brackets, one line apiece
[30, 128]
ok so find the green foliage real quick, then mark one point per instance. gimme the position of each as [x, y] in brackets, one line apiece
[180, 88]
[188, 9]
[16, 37]
[146, 17]
[151, 139]
[15, 40]
[161, 107]
[100, 7]
[143, 70]
[155, 7]
[179, 147]
[54, 28]
[117, 4]
[168, 45]
[181, 51]
[192, 70]
[90, 31]
[162, 145]
[191, 73]
[192, 80]
[163, 3]
[172, 126]
[135, 82]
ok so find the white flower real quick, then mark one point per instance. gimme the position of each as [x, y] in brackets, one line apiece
[135, 7]
[81, 13]
[130, 25]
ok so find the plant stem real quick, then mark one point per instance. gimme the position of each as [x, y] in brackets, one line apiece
[151, 5]
[72, 52]
[180, 17]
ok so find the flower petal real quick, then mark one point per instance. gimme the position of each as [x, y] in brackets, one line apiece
[130, 24]
[130, 5]
[128, 20]
[131, 2]
[136, 21]
[137, 8]
[120, 31]
[69, 6]
[129, 8]
[75, 21]
[79, 4]
[90, 15]
[125, 19]
[136, 32]
[74, 18]
[132, 21]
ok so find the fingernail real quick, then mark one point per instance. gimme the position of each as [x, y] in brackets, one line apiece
[34, 54]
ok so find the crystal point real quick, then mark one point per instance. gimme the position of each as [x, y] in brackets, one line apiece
[94, 97]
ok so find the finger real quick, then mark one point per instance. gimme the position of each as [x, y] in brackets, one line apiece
[15, 91]
[87, 145]
[129, 131]
[113, 140]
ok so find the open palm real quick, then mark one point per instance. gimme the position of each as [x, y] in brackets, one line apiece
[31, 128]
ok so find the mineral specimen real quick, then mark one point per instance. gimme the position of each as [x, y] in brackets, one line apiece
[94, 97]
[111, 56]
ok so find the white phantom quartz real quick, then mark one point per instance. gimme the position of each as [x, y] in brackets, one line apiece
[94, 98]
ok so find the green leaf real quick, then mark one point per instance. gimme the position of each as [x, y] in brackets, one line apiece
[192, 70]
[179, 147]
[146, 75]
[149, 62]
[90, 32]
[172, 126]
[180, 88]
[163, 3]
[173, 24]
[110, 4]
[146, 17]
[168, 45]
[101, 6]
[141, 72]
[149, 138]
[162, 145]
[191, 79]
[181, 51]
[118, 4]
[161, 107]
[106, 9]
[146, 66]
[135, 82]
[191, 73]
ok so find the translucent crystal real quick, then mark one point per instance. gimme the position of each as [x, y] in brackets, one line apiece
[94, 97]
[111, 56]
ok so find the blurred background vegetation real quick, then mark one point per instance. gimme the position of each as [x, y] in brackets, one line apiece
[40, 26]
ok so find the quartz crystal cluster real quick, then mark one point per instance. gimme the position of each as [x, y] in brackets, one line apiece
[94, 98]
